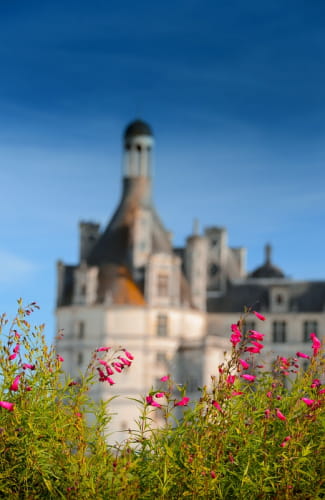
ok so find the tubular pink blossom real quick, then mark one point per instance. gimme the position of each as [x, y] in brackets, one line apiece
[15, 385]
[125, 361]
[164, 378]
[307, 401]
[102, 375]
[235, 339]
[216, 405]
[254, 350]
[12, 356]
[110, 380]
[129, 355]
[155, 404]
[28, 388]
[257, 344]
[182, 402]
[244, 364]
[316, 344]
[59, 358]
[109, 370]
[316, 383]
[250, 378]
[213, 474]
[28, 365]
[280, 415]
[302, 355]
[322, 391]
[231, 379]
[256, 335]
[267, 413]
[235, 329]
[102, 362]
[259, 316]
[269, 394]
[16, 348]
[159, 394]
[103, 349]
[236, 393]
[8, 406]
[149, 399]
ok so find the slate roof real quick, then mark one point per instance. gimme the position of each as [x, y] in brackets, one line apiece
[302, 297]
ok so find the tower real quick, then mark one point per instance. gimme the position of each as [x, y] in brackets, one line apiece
[129, 289]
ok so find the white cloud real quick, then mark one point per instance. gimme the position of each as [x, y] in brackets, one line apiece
[14, 268]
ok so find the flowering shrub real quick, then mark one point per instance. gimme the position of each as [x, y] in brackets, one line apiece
[254, 433]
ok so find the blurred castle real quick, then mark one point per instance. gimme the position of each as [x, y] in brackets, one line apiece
[171, 307]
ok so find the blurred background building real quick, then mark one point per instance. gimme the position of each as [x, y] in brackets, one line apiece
[171, 307]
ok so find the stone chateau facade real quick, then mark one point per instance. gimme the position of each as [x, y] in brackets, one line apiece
[171, 307]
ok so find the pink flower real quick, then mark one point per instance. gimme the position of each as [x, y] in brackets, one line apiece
[12, 356]
[316, 343]
[280, 415]
[16, 348]
[257, 344]
[159, 394]
[102, 375]
[216, 405]
[182, 402]
[59, 358]
[269, 394]
[259, 316]
[125, 361]
[28, 365]
[117, 367]
[17, 335]
[157, 405]
[128, 355]
[256, 335]
[316, 383]
[6, 405]
[109, 370]
[236, 393]
[322, 391]
[213, 474]
[28, 388]
[254, 350]
[164, 378]
[285, 442]
[103, 349]
[235, 339]
[244, 364]
[231, 379]
[250, 378]
[14, 386]
[102, 362]
[73, 382]
[267, 413]
[235, 329]
[309, 402]
[149, 399]
[110, 380]
[302, 355]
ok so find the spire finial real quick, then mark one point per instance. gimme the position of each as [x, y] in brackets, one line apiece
[268, 252]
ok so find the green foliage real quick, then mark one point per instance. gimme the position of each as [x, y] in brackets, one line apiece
[254, 439]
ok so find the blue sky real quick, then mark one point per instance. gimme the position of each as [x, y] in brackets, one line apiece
[235, 94]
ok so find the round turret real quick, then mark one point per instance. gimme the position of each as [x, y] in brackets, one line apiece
[138, 143]
[136, 128]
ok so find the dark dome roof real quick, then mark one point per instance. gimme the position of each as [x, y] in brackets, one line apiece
[267, 270]
[138, 127]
